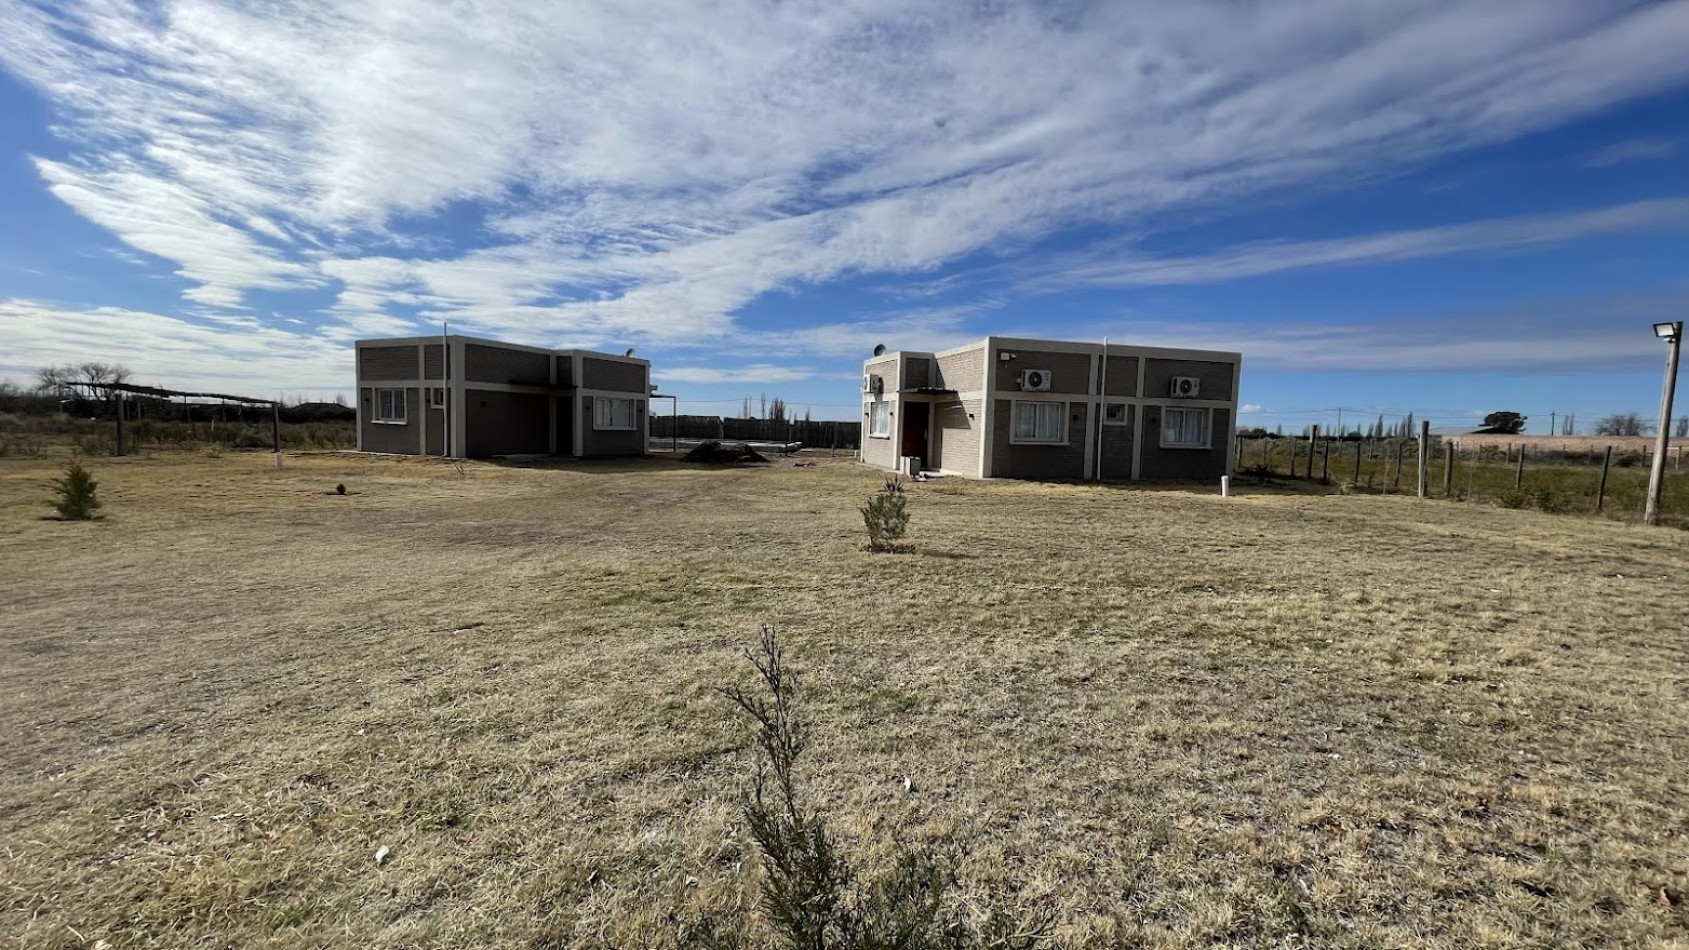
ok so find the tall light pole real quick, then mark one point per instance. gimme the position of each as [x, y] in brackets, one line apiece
[1672, 333]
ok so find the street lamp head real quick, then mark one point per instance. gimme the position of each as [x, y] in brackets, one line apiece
[1668, 331]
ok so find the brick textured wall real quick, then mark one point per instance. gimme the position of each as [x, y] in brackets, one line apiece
[1199, 465]
[387, 362]
[1122, 378]
[963, 372]
[956, 438]
[1216, 378]
[387, 436]
[497, 364]
[1063, 460]
[613, 375]
[1069, 372]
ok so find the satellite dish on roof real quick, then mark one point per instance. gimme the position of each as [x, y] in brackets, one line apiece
[880, 350]
[629, 352]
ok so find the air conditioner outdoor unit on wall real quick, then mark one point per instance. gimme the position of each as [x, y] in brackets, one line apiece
[867, 383]
[1186, 387]
[873, 384]
[1035, 380]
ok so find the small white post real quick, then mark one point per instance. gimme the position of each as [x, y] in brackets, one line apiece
[278, 460]
[1225, 486]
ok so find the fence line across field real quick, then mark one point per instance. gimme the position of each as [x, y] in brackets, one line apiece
[1600, 477]
[815, 434]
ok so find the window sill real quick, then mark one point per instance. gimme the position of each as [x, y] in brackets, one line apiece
[389, 422]
[873, 436]
[615, 428]
[1014, 441]
[1186, 445]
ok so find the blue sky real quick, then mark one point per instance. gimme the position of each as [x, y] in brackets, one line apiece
[1445, 206]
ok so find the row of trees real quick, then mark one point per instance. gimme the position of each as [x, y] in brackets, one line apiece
[1503, 422]
[773, 410]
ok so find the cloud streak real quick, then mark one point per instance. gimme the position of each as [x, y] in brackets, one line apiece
[638, 173]
[1255, 260]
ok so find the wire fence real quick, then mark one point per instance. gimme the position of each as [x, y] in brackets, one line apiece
[813, 434]
[1609, 478]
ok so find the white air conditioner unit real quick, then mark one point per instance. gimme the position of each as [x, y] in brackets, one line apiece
[1186, 387]
[867, 383]
[1035, 380]
[873, 384]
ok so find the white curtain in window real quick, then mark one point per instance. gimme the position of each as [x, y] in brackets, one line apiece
[879, 419]
[1039, 421]
[390, 405]
[612, 413]
[1185, 426]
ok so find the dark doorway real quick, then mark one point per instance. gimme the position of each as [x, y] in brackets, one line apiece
[917, 417]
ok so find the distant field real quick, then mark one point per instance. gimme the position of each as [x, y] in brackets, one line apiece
[1592, 444]
[1159, 717]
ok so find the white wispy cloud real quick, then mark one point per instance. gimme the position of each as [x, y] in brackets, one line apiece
[1567, 334]
[1116, 268]
[755, 373]
[1634, 150]
[243, 357]
[643, 172]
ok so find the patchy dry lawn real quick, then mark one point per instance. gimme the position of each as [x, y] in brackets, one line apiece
[1160, 717]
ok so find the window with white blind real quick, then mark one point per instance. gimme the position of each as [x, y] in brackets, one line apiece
[879, 420]
[390, 406]
[1184, 428]
[611, 413]
[1039, 422]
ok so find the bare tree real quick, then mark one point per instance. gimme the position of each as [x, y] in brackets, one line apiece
[96, 372]
[1623, 423]
[62, 381]
[53, 381]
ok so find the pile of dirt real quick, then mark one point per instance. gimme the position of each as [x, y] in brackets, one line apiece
[714, 453]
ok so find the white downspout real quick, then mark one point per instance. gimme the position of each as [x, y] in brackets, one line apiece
[445, 391]
[1102, 409]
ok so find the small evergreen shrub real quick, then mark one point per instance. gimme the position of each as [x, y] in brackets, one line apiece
[1514, 498]
[76, 500]
[886, 516]
[812, 895]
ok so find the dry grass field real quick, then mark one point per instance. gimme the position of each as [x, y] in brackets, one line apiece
[1158, 717]
[1588, 444]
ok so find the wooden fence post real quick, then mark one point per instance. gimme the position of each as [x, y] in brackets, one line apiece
[1601, 490]
[1290, 470]
[1325, 464]
[1357, 463]
[1448, 467]
[275, 425]
[1313, 436]
[1401, 446]
[1519, 473]
[1425, 459]
[120, 445]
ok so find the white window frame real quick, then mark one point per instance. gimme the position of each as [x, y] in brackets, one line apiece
[1125, 414]
[879, 419]
[436, 397]
[1037, 438]
[394, 414]
[604, 414]
[1207, 416]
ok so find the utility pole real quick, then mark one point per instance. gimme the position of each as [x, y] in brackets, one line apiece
[1672, 333]
[1551, 429]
